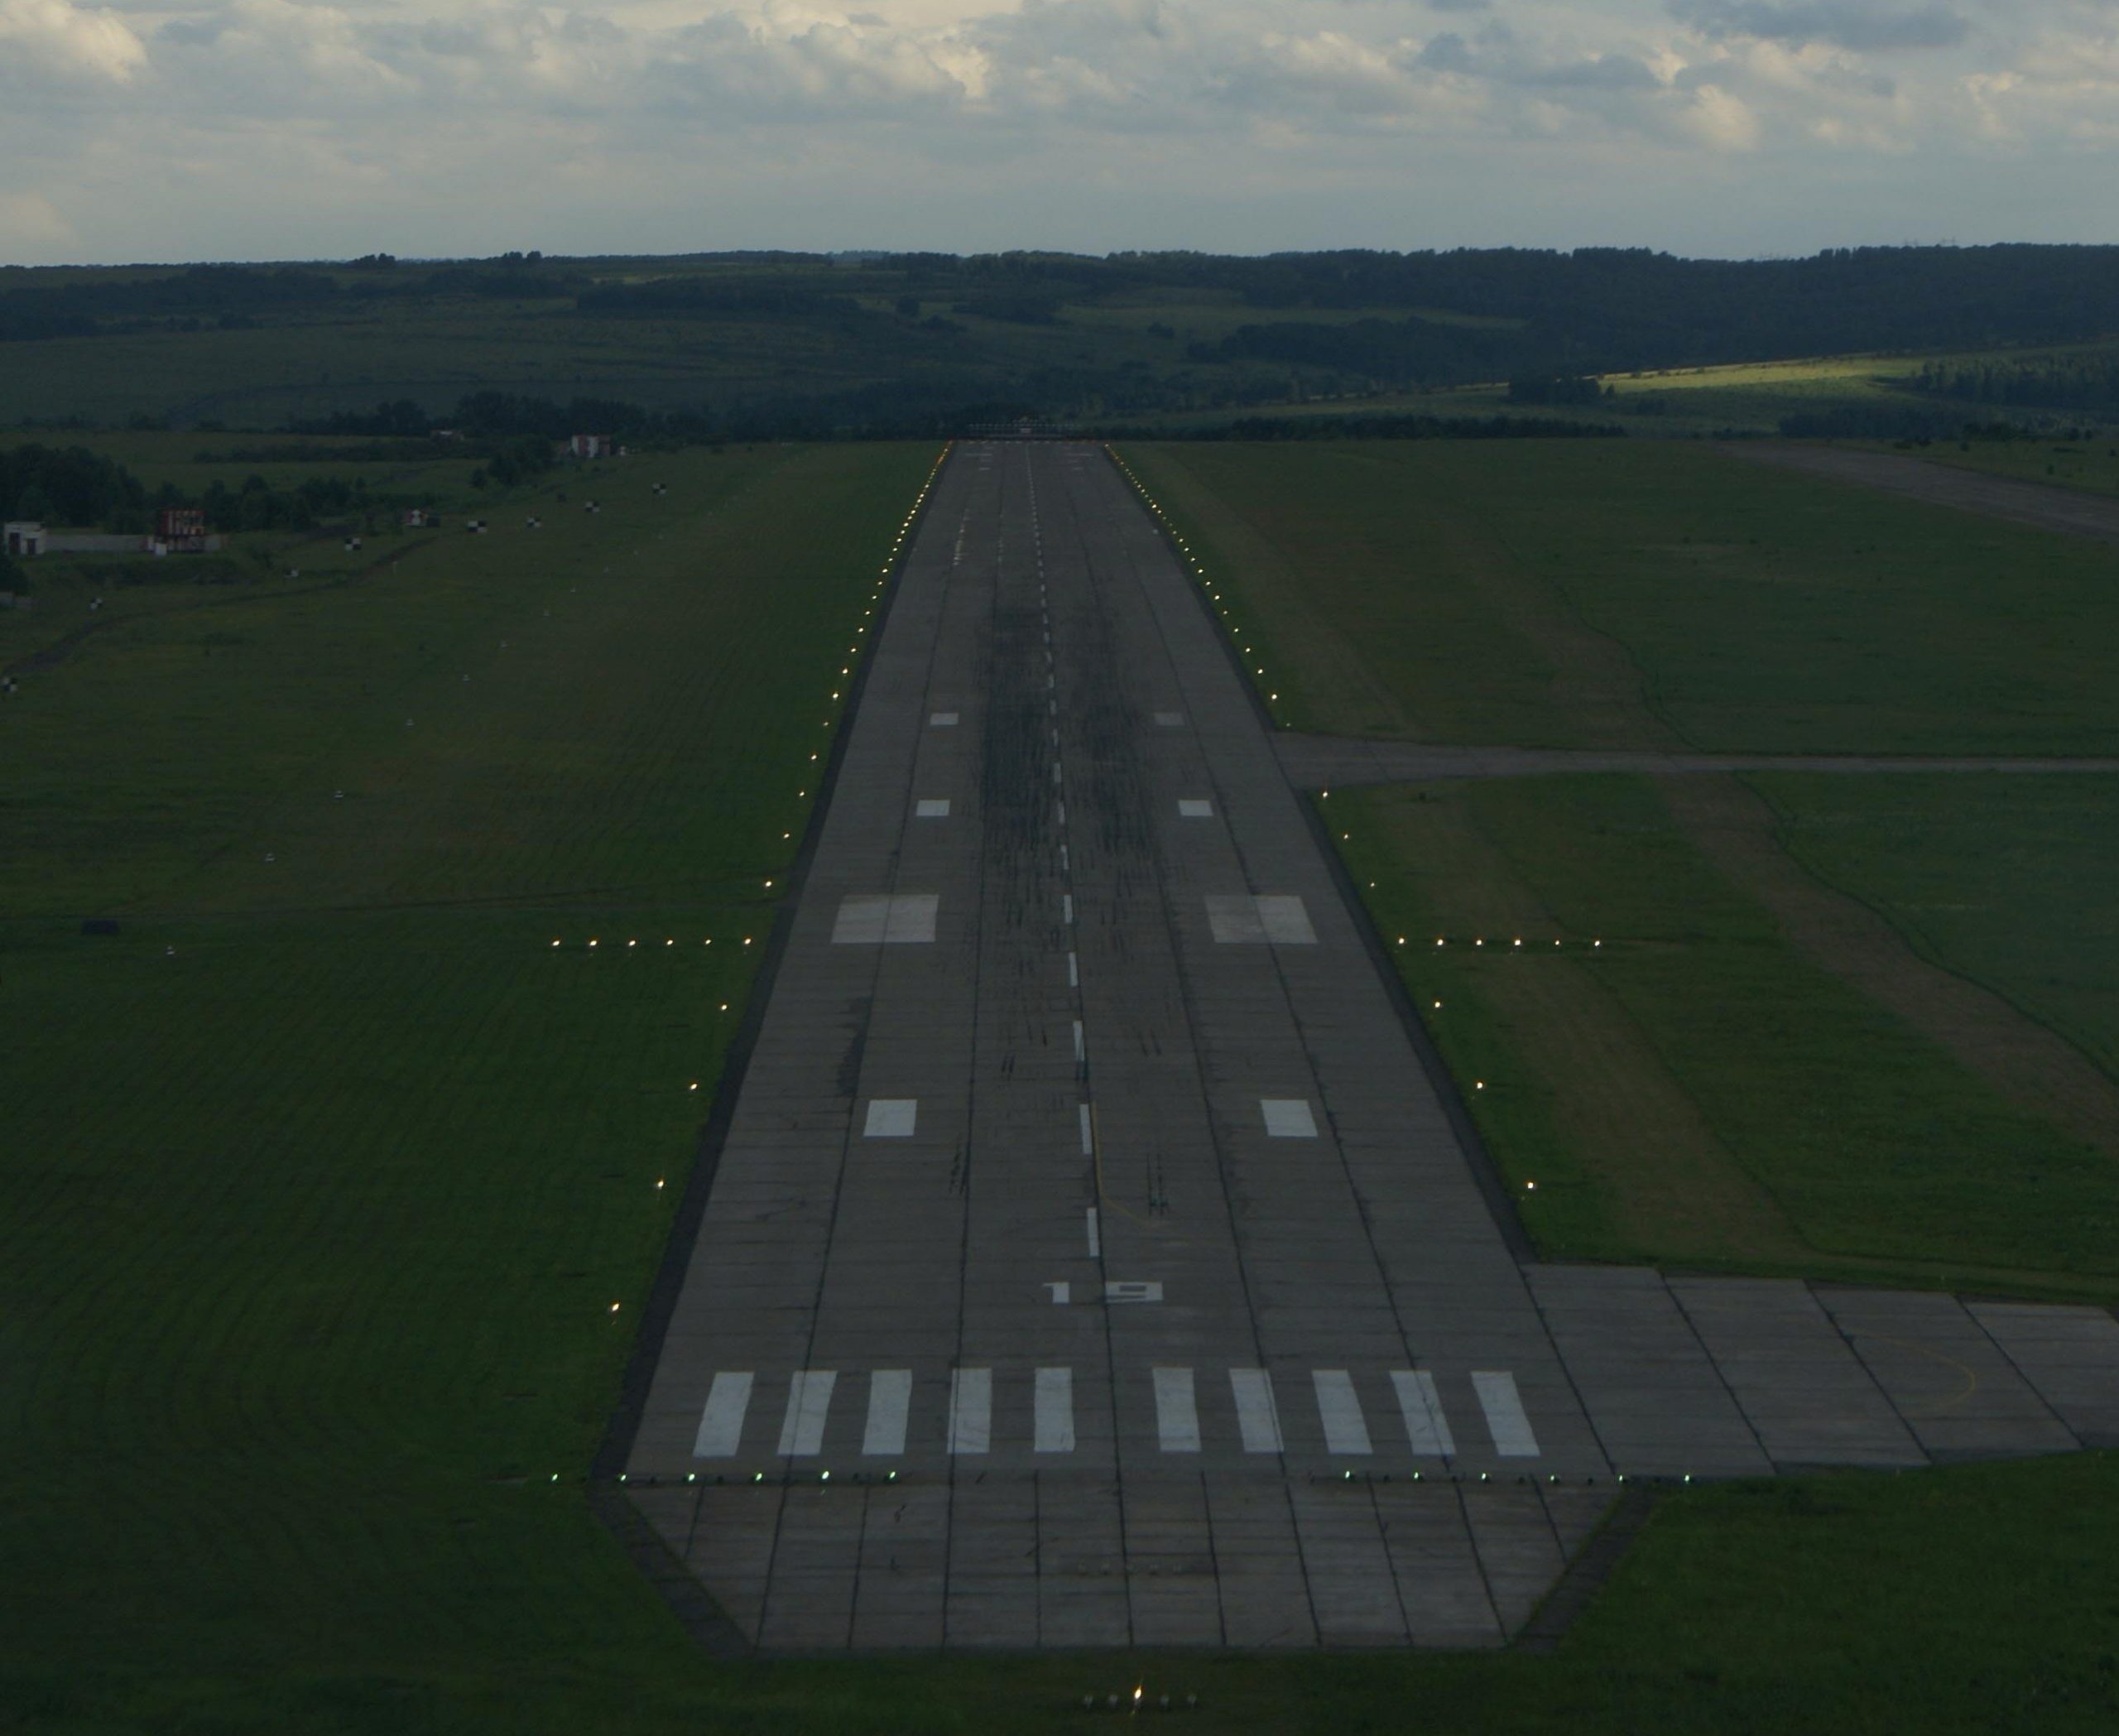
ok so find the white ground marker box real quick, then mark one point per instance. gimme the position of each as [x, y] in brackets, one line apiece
[892, 1117]
[1275, 918]
[871, 918]
[1288, 1117]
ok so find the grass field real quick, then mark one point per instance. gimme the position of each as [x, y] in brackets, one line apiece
[1639, 594]
[1860, 1024]
[2091, 465]
[334, 1185]
[1677, 1082]
[325, 1170]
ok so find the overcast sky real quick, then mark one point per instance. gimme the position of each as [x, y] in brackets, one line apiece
[225, 129]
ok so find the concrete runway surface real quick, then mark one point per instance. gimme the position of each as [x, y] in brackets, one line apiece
[1092, 1259]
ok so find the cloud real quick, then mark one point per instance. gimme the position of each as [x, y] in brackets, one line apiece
[53, 39]
[1854, 24]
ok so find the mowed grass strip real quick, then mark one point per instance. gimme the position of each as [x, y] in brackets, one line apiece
[334, 1185]
[1635, 594]
[1672, 1082]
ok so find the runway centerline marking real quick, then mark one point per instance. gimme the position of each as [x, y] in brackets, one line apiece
[931, 808]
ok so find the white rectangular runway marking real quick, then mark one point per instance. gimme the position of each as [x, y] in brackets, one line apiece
[1063, 815]
[1506, 1422]
[1177, 1415]
[942, 720]
[1054, 1425]
[809, 1399]
[1074, 971]
[898, 918]
[1061, 1291]
[1338, 1408]
[931, 808]
[1089, 1140]
[721, 1423]
[1133, 1289]
[1067, 907]
[1063, 867]
[1255, 1414]
[1194, 808]
[1286, 922]
[1096, 1241]
[890, 1399]
[892, 1117]
[1426, 1428]
[1171, 719]
[971, 1410]
[1288, 1117]
[1055, 772]
[1078, 1055]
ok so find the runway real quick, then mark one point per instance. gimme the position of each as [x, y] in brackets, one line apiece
[1092, 1258]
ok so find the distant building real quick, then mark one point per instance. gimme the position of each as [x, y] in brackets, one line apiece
[591, 445]
[23, 538]
[181, 531]
[421, 518]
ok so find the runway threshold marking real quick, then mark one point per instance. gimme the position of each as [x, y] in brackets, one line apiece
[1257, 1417]
[808, 1401]
[721, 1423]
[971, 1410]
[890, 1403]
[1177, 1412]
[1426, 1427]
[1053, 1427]
[1506, 1420]
[1338, 1408]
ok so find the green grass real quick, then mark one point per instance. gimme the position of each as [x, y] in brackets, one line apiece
[1640, 594]
[1675, 1082]
[315, 1223]
[2005, 881]
[325, 1172]
[2091, 465]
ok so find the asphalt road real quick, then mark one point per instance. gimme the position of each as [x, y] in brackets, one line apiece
[1092, 1260]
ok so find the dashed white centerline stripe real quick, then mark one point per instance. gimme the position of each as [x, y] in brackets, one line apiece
[1096, 1240]
[1074, 971]
[1087, 1143]
[1067, 907]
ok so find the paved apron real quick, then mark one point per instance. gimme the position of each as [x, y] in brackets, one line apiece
[1091, 1261]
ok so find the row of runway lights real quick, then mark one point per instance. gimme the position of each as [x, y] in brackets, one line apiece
[1192, 562]
[790, 1479]
[853, 650]
[868, 615]
[1516, 945]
